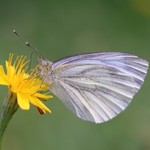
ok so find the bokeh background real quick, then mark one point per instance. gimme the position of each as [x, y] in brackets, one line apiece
[60, 28]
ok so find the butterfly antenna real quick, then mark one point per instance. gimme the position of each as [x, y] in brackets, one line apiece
[30, 61]
[27, 43]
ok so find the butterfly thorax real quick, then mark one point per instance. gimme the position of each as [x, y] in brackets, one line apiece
[45, 70]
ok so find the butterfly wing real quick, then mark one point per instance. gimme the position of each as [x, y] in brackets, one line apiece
[98, 86]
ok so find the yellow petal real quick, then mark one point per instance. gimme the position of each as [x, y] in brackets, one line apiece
[11, 71]
[23, 101]
[43, 96]
[36, 102]
[3, 77]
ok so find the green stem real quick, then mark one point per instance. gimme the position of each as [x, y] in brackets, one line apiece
[9, 107]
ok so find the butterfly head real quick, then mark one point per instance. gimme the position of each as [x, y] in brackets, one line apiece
[45, 69]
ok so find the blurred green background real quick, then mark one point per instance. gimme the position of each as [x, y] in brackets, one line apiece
[60, 28]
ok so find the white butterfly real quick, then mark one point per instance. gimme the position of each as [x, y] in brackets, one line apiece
[95, 86]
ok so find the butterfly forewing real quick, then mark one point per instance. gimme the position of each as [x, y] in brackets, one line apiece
[97, 86]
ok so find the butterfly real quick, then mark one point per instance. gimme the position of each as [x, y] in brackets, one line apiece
[96, 87]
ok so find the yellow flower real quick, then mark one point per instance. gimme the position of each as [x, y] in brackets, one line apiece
[27, 87]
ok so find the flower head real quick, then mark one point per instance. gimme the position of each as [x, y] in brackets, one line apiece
[27, 87]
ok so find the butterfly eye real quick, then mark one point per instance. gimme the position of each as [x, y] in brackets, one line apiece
[42, 62]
